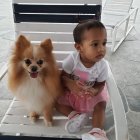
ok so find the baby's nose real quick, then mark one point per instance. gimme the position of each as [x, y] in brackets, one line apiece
[101, 48]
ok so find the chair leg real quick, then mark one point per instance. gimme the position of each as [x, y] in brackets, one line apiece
[136, 12]
[114, 32]
[126, 31]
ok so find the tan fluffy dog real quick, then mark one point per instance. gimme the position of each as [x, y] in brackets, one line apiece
[34, 78]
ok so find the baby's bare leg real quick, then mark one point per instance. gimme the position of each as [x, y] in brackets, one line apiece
[76, 120]
[99, 115]
[65, 110]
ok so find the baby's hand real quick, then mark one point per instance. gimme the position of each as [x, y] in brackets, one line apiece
[79, 89]
[72, 85]
[91, 91]
[82, 86]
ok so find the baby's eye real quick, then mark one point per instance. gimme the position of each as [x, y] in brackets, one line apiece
[40, 62]
[95, 44]
[104, 43]
[28, 61]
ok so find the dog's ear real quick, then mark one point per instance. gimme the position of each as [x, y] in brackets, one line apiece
[22, 42]
[47, 45]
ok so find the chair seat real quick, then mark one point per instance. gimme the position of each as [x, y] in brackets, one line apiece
[17, 122]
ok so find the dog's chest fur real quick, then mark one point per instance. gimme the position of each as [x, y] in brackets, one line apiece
[34, 95]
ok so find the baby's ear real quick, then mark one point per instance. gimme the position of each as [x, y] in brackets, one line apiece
[47, 45]
[77, 46]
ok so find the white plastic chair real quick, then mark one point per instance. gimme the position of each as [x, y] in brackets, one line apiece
[116, 13]
[16, 121]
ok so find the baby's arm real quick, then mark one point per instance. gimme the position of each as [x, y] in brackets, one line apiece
[71, 84]
[96, 89]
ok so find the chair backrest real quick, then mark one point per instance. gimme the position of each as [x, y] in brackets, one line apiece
[123, 6]
[54, 19]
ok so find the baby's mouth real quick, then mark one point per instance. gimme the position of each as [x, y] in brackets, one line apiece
[33, 74]
[99, 56]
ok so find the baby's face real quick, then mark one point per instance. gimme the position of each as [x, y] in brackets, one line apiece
[93, 47]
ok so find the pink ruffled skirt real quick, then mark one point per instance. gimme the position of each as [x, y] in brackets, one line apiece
[83, 103]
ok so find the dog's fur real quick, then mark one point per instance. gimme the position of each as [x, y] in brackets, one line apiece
[34, 78]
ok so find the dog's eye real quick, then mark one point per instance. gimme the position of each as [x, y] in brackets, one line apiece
[28, 61]
[40, 62]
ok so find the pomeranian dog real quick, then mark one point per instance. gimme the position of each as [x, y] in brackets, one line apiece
[34, 78]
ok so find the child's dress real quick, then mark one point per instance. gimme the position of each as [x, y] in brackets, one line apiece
[86, 76]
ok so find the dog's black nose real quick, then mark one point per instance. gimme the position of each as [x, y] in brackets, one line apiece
[33, 68]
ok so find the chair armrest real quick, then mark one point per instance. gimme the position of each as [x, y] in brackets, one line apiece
[3, 71]
[121, 128]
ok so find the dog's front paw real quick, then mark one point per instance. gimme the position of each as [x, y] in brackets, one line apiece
[48, 124]
[33, 117]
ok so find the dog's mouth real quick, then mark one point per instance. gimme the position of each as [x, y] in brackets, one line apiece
[33, 74]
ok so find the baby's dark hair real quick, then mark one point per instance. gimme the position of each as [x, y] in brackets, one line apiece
[83, 26]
